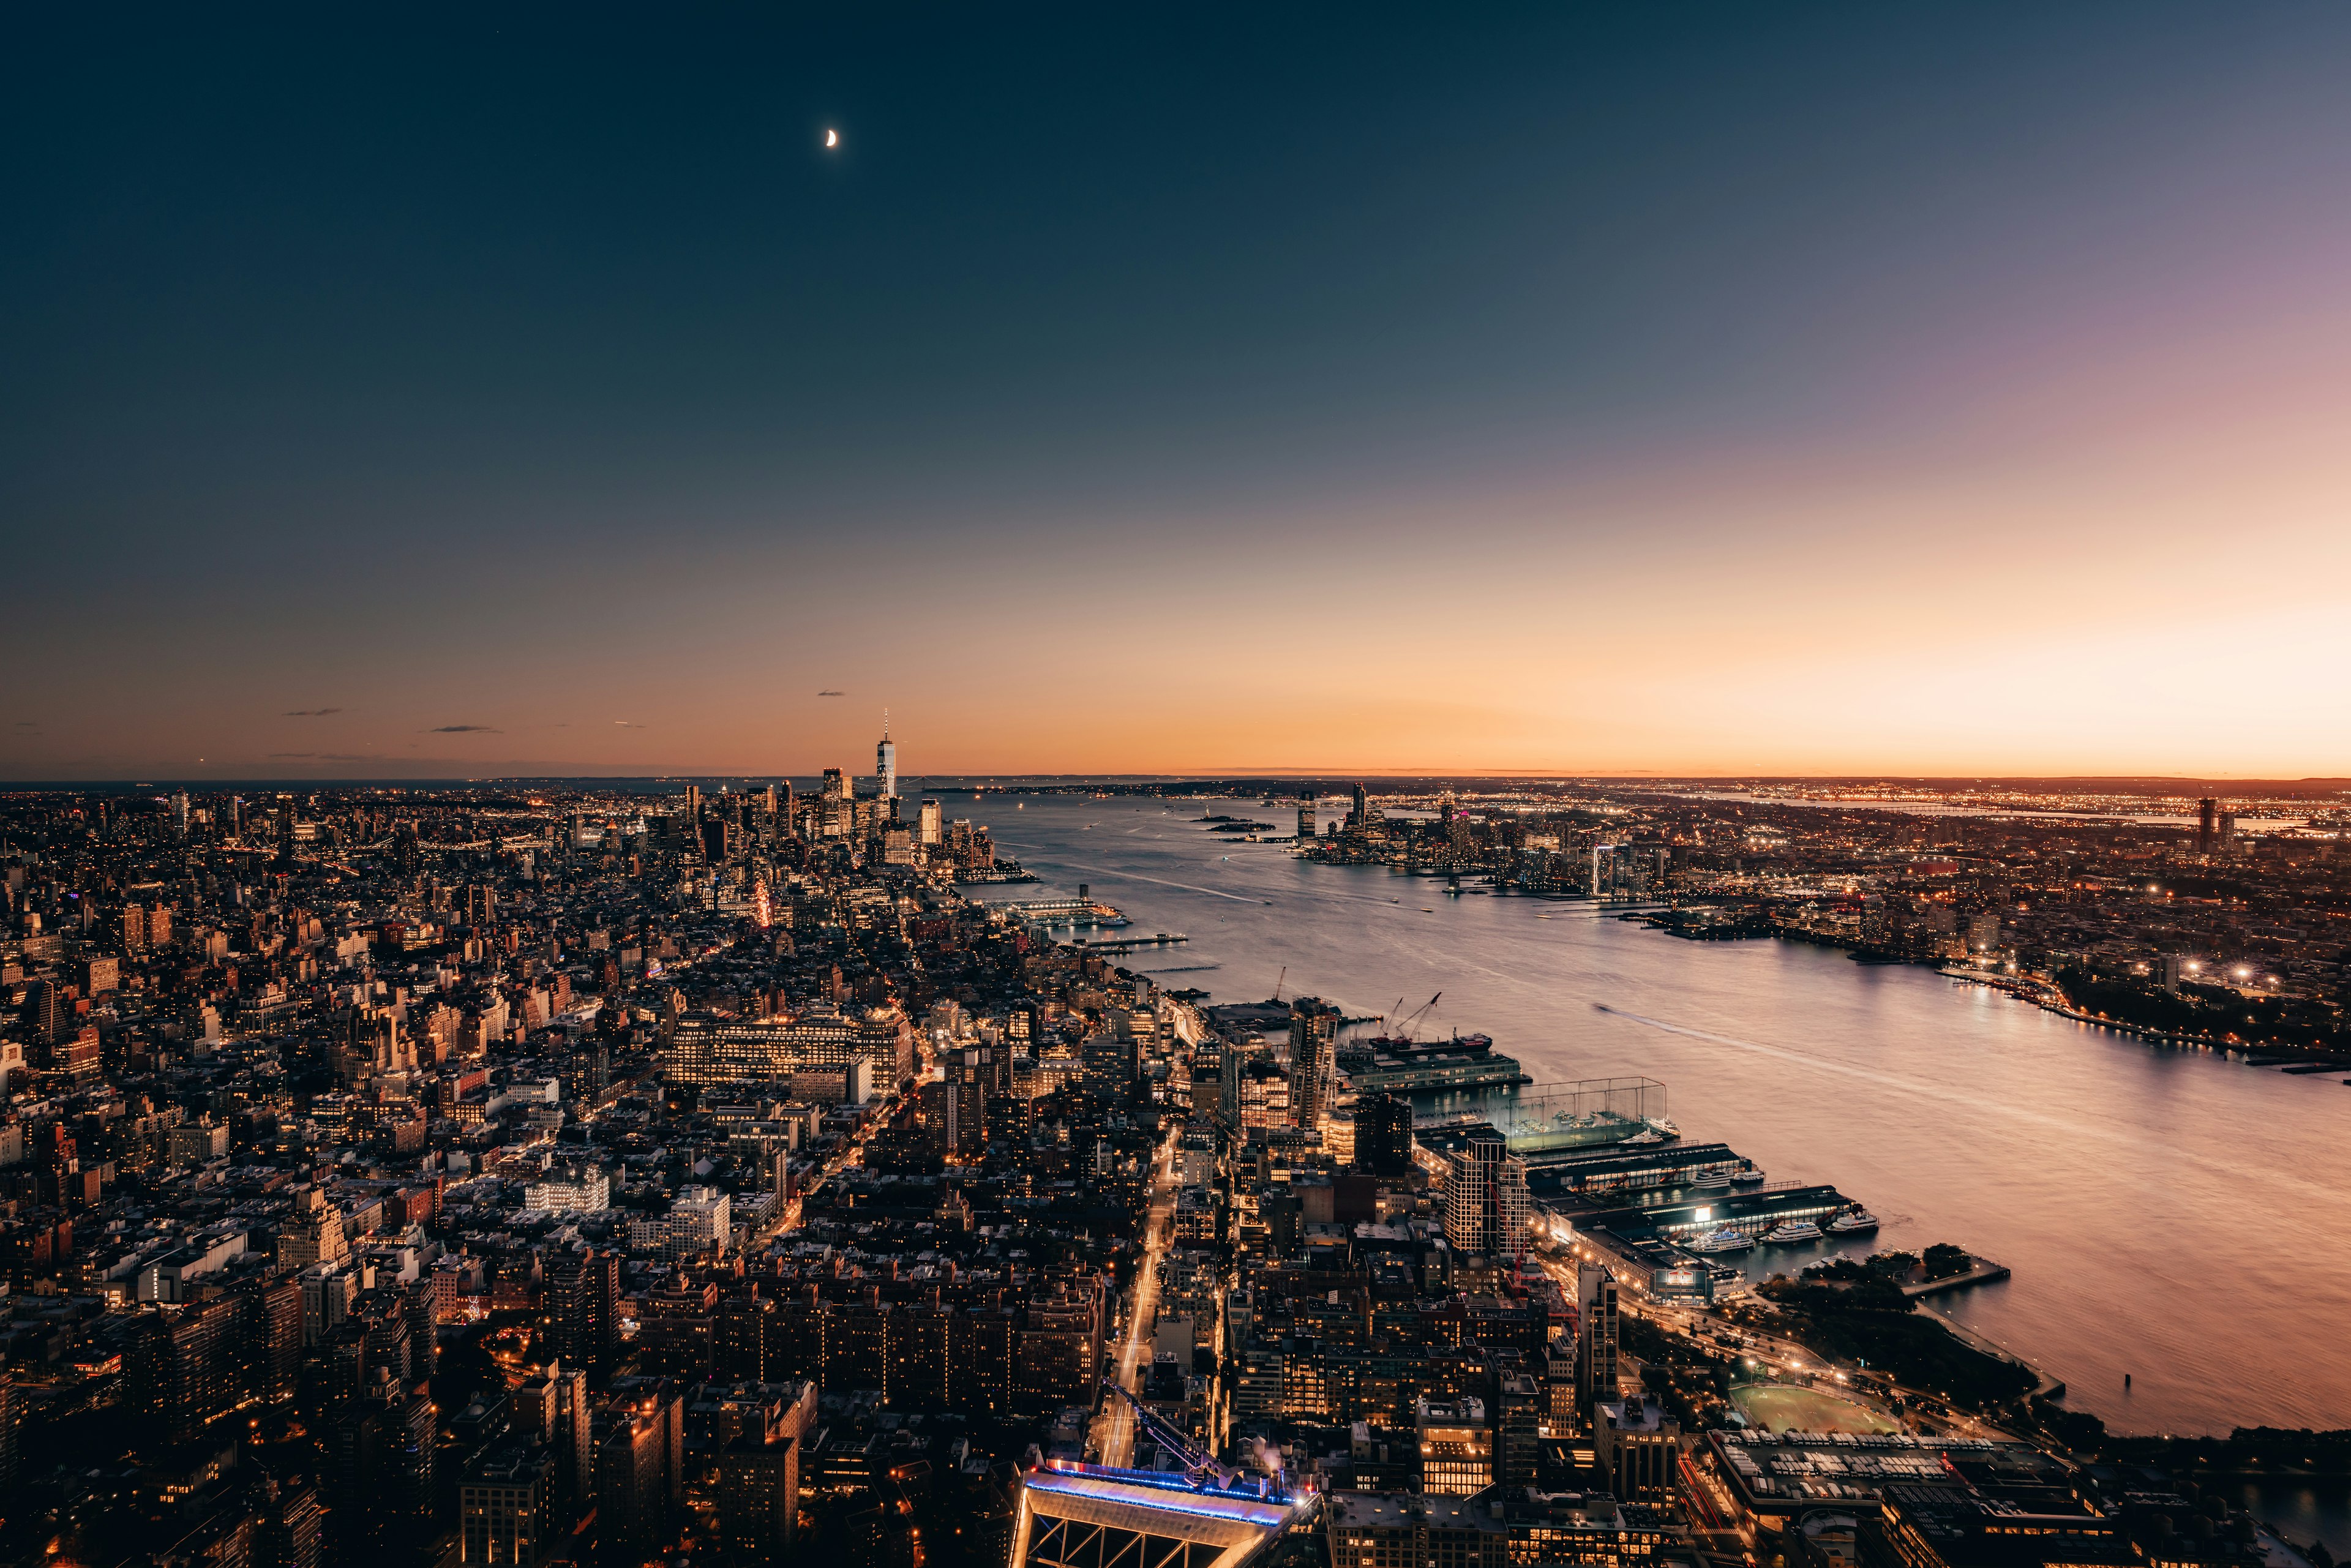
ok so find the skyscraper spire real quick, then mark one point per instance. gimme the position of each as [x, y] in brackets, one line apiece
[886, 763]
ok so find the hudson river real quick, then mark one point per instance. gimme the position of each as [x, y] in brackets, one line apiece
[2171, 1214]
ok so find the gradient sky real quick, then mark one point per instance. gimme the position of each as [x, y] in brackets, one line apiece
[1717, 389]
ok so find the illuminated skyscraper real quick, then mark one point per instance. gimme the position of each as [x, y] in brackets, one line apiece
[1596, 1347]
[1486, 1205]
[885, 762]
[1312, 1024]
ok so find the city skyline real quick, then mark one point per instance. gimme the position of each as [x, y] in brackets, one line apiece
[1581, 394]
[1053, 787]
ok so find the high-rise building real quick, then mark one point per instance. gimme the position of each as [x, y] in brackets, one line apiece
[1020, 1029]
[575, 1439]
[8, 1418]
[507, 1506]
[583, 1292]
[926, 824]
[273, 1335]
[314, 1234]
[953, 1107]
[1311, 1025]
[1112, 1066]
[1518, 1417]
[1486, 1204]
[1596, 1345]
[1307, 813]
[183, 1371]
[2206, 811]
[293, 1524]
[640, 1474]
[1231, 1065]
[1384, 1134]
[45, 1008]
[759, 1497]
[1359, 808]
[886, 763]
[77, 1054]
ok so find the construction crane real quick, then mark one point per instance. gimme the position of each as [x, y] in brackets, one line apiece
[1202, 1472]
[1411, 1026]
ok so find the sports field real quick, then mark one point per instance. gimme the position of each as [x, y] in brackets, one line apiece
[1784, 1407]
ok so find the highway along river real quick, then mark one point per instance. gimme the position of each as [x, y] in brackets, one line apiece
[2173, 1216]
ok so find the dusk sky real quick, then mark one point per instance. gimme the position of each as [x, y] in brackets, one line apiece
[1691, 388]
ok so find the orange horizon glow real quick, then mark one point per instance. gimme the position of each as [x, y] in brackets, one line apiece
[1592, 425]
[2127, 564]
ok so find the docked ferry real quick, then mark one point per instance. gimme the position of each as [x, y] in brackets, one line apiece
[1791, 1232]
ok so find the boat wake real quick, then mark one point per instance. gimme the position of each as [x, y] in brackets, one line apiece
[2138, 1141]
[1186, 886]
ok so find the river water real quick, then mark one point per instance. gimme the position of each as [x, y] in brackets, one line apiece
[2171, 1214]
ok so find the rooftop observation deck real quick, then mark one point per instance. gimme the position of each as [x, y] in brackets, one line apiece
[1092, 1516]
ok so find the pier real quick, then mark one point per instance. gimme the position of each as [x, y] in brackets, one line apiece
[1081, 911]
[1985, 1273]
[1618, 1169]
[1754, 1210]
[1132, 944]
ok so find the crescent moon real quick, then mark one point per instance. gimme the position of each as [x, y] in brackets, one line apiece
[832, 139]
